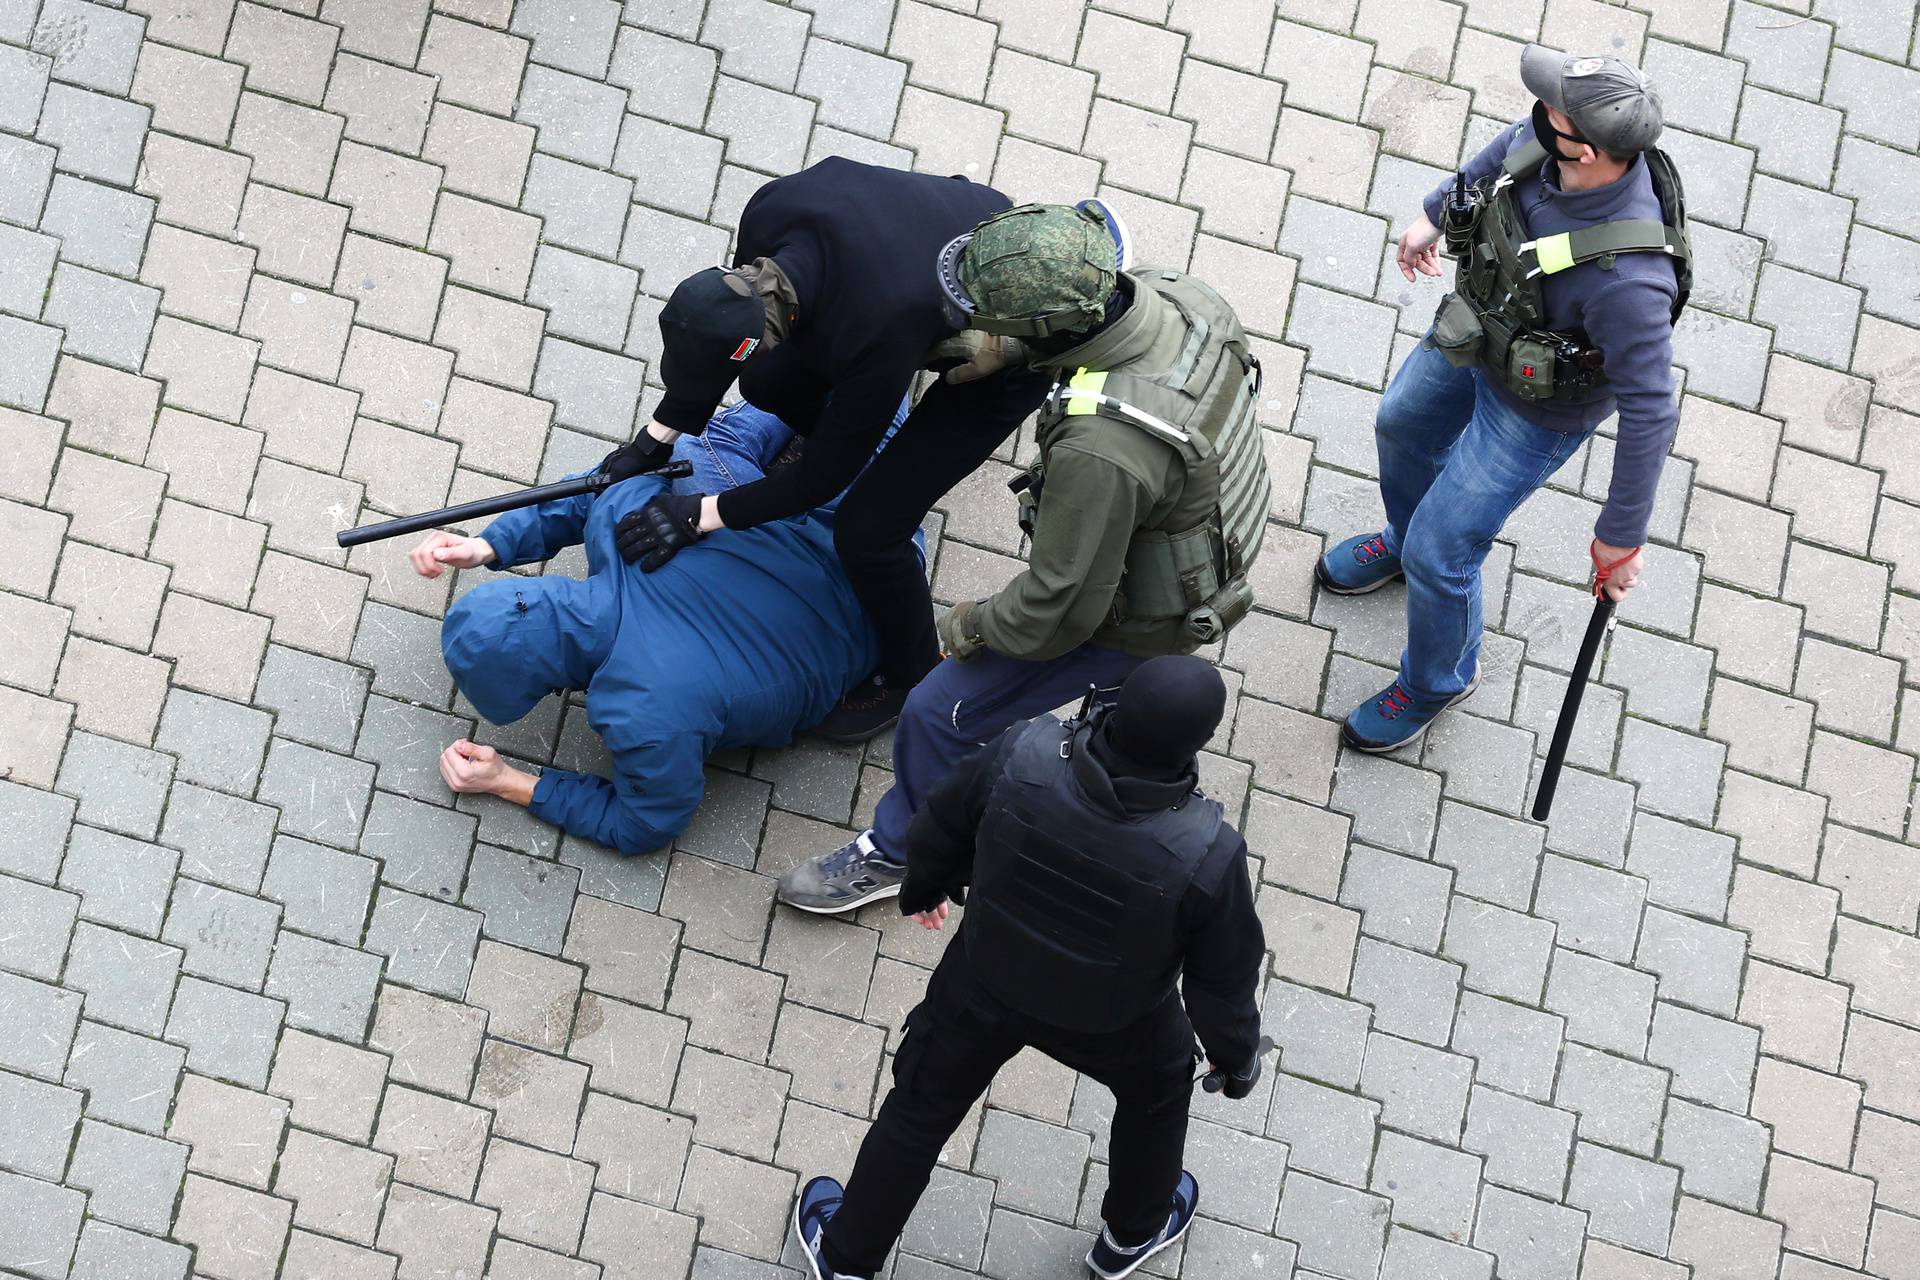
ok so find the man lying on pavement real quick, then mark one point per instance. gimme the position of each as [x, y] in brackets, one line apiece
[740, 641]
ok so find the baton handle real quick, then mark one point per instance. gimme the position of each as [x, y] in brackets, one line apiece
[1597, 627]
[592, 482]
[1216, 1080]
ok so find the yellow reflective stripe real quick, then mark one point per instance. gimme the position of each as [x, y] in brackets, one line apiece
[1094, 383]
[1554, 253]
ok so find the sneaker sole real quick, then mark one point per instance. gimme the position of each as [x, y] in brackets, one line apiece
[854, 739]
[813, 1263]
[886, 891]
[1328, 584]
[1378, 749]
[1141, 1261]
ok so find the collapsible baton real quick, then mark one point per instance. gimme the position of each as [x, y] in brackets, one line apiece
[1597, 628]
[592, 482]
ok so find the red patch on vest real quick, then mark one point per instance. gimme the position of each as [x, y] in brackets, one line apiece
[745, 348]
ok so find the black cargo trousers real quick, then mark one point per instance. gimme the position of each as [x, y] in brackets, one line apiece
[947, 436]
[957, 1039]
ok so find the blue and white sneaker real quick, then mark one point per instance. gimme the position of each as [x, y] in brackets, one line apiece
[1360, 564]
[1110, 1261]
[1392, 718]
[819, 1200]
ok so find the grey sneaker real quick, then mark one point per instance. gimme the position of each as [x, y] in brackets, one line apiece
[851, 876]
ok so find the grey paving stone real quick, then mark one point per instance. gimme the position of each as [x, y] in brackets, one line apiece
[1529, 1237]
[335, 1187]
[32, 841]
[1684, 867]
[122, 882]
[1320, 1036]
[1698, 964]
[39, 1224]
[1606, 1005]
[1678, 774]
[1712, 1059]
[1432, 1188]
[1327, 1131]
[1494, 857]
[228, 1034]
[1412, 995]
[119, 786]
[221, 838]
[1505, 952]
[422, 847]
[225, 936]
[1411, 1254]
[321, 796]
[1515, 1048]
[35, 923]
[107, 1252]
[324, 892]
[428, 944]
[327, 987]
[1722, 1156]
[1421, 1089]
[39, 1121]
[220, 744]
[234, 1133]
[1598, 911]
[1036, 1167]
[128, 1079]
[1619, 1101]
[231, 1228]
[1339, 1230]
[131, 1179]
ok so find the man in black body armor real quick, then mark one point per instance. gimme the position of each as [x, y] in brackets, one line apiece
[1096, 876]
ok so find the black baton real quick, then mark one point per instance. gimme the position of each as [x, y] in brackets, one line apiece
[1597, 627]
[592, 482]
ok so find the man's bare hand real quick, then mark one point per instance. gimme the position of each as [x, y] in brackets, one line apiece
[1626, 562]
[935, 918]
[443, 550]
[472, 769]
[1419, 249]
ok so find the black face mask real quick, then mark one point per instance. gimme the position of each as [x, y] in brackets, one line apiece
[1550, 137]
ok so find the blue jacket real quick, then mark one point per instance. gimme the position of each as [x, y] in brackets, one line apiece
[1626, 310]
[741, 640]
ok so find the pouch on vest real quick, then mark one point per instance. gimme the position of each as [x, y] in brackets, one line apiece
[1457, 332]
[1530, 368]
[1212, 620]
[1168, 575]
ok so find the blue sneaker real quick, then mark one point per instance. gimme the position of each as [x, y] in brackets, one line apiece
[1392, 718]
[1360, 564]
[1108, 1260]
[819, 1200]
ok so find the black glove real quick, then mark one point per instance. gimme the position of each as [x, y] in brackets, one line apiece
[922, 895]
[1238, 1084]
[644, 454]
[660, 530]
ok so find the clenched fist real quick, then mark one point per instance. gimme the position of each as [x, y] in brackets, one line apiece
[443, 550]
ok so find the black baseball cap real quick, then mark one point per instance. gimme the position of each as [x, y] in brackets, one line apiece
[708, 328]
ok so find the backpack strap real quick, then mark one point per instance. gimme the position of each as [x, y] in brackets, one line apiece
[1085, 393]
[1550, 255]
[1524, 160]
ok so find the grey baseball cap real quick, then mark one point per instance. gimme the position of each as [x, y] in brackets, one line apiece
[1612, 103]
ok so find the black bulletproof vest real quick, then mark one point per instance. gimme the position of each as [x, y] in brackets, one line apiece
[1073, 915]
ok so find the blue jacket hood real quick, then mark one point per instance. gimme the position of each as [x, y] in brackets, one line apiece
[513, 641]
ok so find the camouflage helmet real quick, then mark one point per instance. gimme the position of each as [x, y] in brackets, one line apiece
[1035, 270]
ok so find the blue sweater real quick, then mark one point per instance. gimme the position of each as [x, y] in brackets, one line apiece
[1627, 311]
[741, 640]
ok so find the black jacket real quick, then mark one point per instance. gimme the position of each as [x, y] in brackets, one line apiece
[861, 245]
[1225, 946]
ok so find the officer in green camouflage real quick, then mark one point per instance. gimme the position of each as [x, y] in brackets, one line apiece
[1145, 509]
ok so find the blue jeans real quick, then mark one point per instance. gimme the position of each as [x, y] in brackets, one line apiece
[1456, 459]
[962, 706]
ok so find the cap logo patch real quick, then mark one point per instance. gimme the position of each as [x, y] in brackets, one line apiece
[745, 348]
[1586, 66]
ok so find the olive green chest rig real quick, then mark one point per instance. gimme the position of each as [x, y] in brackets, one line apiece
[1178, 368]
[1496, 315]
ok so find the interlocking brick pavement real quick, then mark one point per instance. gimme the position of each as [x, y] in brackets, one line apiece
[275, 1006]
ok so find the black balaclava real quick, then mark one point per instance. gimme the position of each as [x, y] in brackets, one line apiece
[1166, 711]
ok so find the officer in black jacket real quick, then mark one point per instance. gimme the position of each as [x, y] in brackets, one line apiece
[825, 319]
[1100, 886]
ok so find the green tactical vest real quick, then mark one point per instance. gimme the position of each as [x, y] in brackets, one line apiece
[1194, 384]
[1494, 316]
